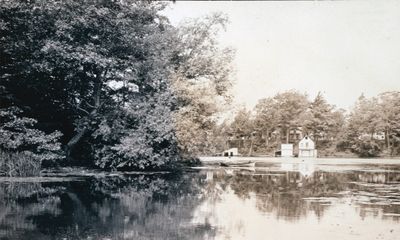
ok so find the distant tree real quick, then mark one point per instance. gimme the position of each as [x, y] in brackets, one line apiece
[338, 126]
[366, 147]
[389, 115]
[317, 123]
[242, 130]
[291, 107]
[373, 116]
[222, 134]
[363, 123]
[322, 120]
[242, 125]
[266, 118]
[364, 118]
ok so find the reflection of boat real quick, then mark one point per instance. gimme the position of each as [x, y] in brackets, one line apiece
[237, 164]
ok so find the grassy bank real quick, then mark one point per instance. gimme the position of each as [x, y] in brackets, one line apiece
[18, 164]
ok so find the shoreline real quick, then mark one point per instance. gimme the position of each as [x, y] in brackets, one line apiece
[324, 160]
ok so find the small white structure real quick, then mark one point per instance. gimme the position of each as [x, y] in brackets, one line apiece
[231, 152]
[209, 176]
[307, 148]
[287, 150]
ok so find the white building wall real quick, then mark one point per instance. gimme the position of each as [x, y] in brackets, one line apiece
[308, 153]
[287, 150]
[231, 152]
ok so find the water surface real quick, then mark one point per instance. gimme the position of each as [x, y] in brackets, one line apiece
[279, 200]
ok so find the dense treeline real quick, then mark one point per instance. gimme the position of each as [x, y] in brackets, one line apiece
[110, 84]
[370, 129]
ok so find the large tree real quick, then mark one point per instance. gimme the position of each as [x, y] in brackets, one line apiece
[60, 58]
[201, 81]
[115, 77]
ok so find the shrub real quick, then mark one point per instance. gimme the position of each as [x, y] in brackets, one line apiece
[18, 164]
[366, 148]
[23, 147]
[140, 137]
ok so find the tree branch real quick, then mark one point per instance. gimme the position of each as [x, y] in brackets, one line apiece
[83, 110]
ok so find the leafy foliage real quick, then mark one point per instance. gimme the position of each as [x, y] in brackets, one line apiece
[122, 84]
[292, 106]
[369, 130]
[18, 164]
[145, 137]
[323, 122]
[19, 135]
[99, 71]
[201, 82]
[22, 146]
[374, 125]
[366, 148]
[389, 119]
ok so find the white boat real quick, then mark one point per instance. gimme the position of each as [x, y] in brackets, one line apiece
[237, 164]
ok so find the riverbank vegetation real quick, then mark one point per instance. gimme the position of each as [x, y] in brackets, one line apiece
[370, 129]
[107, 84]
[23, 148]
[114, 85]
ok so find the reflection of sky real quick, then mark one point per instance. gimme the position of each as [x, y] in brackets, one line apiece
[238, 218]
[298, 200]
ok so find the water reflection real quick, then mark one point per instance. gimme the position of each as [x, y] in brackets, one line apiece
[280, 201]
[125, 207]
[304, 201]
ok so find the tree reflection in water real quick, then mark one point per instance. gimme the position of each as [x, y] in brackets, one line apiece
[291, 195]
[281, 193]
[124, 207]
[185, 206]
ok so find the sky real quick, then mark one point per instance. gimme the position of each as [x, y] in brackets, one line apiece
[341, 48]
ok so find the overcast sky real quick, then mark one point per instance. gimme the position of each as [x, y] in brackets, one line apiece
[340, 48]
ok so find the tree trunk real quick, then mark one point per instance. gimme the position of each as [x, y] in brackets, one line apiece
[267, 139]
[315, 138]
[251, 146]
[287, 135]
[387, 139]
[78, 136]
[74, 140]
[389, 143]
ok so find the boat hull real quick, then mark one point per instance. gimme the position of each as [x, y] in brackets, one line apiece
[237, 164]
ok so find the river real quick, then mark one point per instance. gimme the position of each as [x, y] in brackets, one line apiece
[274, 200]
